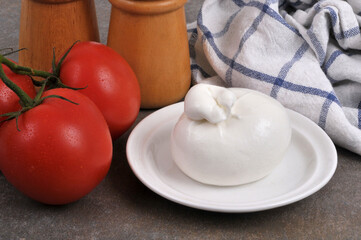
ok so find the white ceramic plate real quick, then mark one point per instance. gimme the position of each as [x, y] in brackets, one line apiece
[309, 164]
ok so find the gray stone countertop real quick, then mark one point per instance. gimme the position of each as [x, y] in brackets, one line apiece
[121, 207]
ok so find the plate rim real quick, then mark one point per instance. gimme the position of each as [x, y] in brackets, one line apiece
[229, 209]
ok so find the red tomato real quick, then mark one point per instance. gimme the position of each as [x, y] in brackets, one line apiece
[62, 151]
[109, 82]
[9, 101]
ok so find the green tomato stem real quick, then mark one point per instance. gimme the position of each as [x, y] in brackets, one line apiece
[24, 70]
[25, 99]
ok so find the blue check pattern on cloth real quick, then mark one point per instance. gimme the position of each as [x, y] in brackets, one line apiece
[304, 53]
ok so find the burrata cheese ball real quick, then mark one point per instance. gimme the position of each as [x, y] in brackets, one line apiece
[229, 136]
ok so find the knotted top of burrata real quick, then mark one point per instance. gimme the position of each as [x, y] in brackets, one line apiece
[229, 136]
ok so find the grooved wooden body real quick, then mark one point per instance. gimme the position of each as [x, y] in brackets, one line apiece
[45, 24]
[152, 37]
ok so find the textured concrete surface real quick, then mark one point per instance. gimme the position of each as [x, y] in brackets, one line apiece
[121, 207]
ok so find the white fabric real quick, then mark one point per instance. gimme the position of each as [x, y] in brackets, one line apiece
[304, 53]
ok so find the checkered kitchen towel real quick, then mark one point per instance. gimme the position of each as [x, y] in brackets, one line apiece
[305, 53]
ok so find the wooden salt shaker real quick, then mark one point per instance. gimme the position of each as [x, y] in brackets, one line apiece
[152, 36]
[45, 24]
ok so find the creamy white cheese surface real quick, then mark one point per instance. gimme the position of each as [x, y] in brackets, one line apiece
[229, 136]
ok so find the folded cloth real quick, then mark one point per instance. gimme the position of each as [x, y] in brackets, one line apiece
[304, 53]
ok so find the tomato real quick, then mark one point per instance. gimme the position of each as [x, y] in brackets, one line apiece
[109, 80]
[61, 152]
[9, 101]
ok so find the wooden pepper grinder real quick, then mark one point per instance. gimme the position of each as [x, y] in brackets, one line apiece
[152, 36]
[45, 24]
